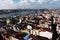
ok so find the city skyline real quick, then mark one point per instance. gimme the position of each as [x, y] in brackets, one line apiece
[29, 4]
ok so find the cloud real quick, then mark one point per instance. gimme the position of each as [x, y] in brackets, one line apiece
[31, 2]
[41, 1]
[55, 0]
[10, 4]
[7, 4]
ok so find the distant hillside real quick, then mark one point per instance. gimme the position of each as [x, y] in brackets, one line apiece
[20, 10]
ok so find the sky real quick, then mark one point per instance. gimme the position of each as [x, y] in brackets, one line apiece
[29, 4]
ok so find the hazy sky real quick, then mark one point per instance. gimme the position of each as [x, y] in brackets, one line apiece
[29, 4]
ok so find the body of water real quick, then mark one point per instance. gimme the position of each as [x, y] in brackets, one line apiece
[17, 14]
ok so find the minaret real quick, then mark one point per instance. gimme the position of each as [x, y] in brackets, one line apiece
[53, 26]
